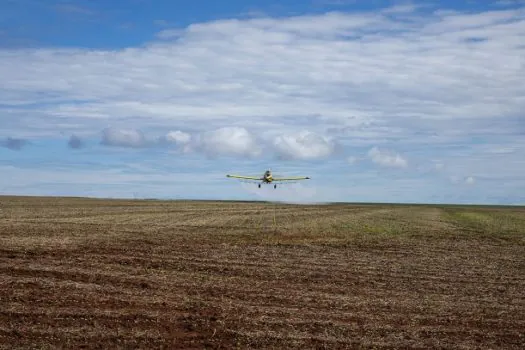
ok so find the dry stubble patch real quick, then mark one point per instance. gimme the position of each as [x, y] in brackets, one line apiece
[82, 272]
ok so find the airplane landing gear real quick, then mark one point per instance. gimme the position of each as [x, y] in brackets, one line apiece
[274, 186]
[259, 185]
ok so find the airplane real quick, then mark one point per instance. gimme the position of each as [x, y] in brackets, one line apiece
[268, 178]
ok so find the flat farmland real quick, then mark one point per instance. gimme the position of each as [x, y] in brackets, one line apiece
[88, 273]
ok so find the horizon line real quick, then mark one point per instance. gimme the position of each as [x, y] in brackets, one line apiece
[255, 201]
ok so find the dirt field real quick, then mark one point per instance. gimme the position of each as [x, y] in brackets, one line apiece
[112, 274]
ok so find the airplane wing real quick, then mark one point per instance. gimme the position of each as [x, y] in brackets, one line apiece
[244, 177]
[293, 178]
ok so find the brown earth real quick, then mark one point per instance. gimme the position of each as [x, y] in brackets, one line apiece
[83, 273]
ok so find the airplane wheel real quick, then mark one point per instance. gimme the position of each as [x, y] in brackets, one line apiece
[274, 186]
[259, 185]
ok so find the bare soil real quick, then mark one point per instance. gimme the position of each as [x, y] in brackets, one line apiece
[86, 273]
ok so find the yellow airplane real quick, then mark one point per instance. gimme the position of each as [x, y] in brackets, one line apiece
[268, 178]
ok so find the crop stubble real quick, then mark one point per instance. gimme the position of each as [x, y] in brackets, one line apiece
[108, 273]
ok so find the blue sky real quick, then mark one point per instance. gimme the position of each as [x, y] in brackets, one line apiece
[381, 101]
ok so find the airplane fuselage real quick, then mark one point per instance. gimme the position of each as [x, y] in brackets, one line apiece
[267, 177]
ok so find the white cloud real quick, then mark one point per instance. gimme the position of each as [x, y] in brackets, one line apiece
[178, 137]
[235, 141]
[303, 145]
[387, 158]
[123, 138]
[470, 180]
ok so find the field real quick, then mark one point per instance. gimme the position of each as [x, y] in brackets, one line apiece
[157, 274]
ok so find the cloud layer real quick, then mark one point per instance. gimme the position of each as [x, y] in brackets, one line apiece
[123, 138]
[225, 141]
[372, 66]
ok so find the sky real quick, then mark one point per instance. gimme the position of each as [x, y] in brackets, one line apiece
[376, 101]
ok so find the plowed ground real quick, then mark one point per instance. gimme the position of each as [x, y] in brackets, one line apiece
[82, 273]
